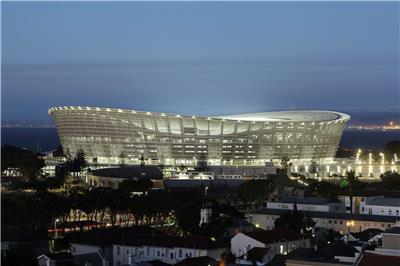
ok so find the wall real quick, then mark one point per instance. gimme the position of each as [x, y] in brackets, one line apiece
[148, 253]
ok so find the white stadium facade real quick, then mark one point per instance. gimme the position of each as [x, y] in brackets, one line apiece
[109, 135]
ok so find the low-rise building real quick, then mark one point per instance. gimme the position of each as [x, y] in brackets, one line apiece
[369, 259]
[380, 206]
[280, 241]
[390, 242]
[101, 240]
[328, 256]
[112, 177]
[337, 221]
[168, 249]
[307, 204]
[368, 202]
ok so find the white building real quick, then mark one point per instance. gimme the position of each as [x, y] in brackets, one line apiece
[390, 242]
[168, 249]
[281, 241]
[337, 221]
[380, 205]
[307, 204]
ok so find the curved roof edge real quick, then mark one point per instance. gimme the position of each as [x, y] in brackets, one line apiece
[276, 116]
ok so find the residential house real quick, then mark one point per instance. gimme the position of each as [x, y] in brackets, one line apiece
[281, 241]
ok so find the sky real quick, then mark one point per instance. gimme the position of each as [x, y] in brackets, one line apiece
[202, 58]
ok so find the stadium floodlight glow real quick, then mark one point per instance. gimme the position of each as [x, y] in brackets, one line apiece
[156, 136]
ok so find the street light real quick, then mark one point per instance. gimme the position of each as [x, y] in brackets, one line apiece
[55, 227]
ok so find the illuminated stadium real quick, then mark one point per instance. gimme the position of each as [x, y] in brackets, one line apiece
[110, 135]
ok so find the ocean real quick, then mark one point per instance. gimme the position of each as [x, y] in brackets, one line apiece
[46, 139]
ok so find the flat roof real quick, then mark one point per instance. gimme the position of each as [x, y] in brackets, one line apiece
[335, 215]
[378, 201]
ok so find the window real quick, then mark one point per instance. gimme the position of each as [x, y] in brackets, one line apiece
[172, 255]
[118, 251]
[180, 253]
[158, 253]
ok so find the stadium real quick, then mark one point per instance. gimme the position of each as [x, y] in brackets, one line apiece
[112, 136]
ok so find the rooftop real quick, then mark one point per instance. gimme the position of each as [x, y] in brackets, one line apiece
[109, 236]
[308, 200]
[380, 201]
[306, 254]
[393, 230]
[198, 261]
[369, 259]
[335, 215]
[289, 116]
[197, 242]
[277, 116]
[271, 236]
[137, 171]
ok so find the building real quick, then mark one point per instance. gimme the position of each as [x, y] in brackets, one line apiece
[112, 177]
[307, 204]
[101, 240]
[14, 235]
[390, 242]
[280, 241]
[369, 259]
[113, 135]
[331, 255]
[337, 221]
[380, 206]
[167, 249]
[366, 203]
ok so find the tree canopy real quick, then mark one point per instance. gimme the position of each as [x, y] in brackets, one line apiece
[391, 148]
[26, 161]
[294, 220]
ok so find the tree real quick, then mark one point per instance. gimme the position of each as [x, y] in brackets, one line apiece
[122, 159]
[313, 168]
[294, 220]
[188, 216]
[29, 164]
[79, 163]
[323, 189]
[255, 191]
[142, 160]
[285, 163]
[202, 164]
[131, 185]
[390, 180]
[228, 257]
[391, 148]
[59, 152]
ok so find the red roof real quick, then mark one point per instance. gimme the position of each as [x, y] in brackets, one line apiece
[276, 235]
[369, 259]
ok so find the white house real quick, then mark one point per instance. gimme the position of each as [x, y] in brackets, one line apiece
[280, 241]
[168, 249]
[337, 221]
[380, 205]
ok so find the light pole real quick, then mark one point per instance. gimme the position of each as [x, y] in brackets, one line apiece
[55, 227]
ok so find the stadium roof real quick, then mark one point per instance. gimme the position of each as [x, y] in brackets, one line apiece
[289, 116]
[278, 116]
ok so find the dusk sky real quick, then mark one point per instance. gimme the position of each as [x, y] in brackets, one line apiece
[199, 58]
